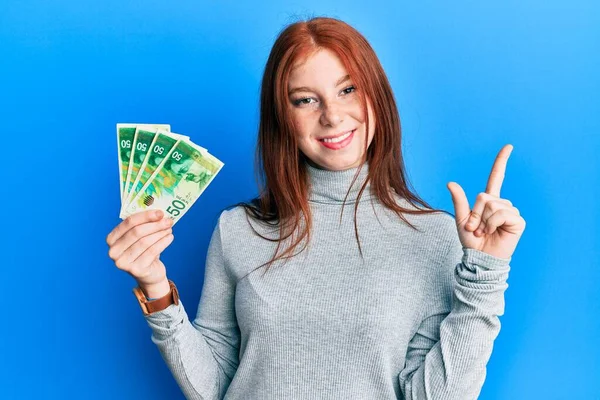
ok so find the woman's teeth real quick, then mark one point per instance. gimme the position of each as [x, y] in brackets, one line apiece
[337, 139]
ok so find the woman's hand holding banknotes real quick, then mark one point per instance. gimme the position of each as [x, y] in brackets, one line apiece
[135, 246]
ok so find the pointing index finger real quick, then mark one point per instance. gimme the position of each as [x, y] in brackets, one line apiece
[494, 183]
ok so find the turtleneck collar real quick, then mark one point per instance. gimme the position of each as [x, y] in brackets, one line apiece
[331, 186]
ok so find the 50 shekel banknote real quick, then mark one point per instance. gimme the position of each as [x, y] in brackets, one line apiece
[150, 146]
[125, 136]
[169, 172]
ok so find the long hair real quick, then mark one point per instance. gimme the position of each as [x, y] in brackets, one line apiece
[280, 168]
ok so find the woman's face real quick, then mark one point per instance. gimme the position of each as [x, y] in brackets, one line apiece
[324, 104]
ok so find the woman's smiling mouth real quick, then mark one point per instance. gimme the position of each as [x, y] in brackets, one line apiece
[338, 142]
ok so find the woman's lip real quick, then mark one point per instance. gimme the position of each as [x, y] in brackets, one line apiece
[339, 145]
[333, 137]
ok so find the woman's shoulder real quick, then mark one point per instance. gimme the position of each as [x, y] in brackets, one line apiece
[232, 213]
[231, 218]
[238, 222]
[439, 220]
[243, 240]
[434, 230]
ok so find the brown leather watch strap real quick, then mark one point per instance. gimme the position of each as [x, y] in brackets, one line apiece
[149, 307]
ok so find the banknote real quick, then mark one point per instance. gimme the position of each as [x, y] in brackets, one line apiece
[148, 145]
[183, 174]
[125, 135]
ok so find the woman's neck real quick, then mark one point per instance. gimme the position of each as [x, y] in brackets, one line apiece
[328, 186]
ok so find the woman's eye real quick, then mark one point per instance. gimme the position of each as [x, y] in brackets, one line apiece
[301, 101]
[348, 88]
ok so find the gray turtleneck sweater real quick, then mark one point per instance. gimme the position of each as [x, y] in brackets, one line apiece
[415, 319]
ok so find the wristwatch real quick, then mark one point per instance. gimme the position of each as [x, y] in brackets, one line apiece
[149, 307]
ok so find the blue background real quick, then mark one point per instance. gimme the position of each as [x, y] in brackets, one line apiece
[469, 77]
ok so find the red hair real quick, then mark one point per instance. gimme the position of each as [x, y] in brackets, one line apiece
[282, 175]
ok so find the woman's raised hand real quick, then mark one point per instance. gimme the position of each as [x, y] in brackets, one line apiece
[135, 246]
[494, 225]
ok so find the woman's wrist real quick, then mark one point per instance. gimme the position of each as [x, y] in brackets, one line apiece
[156, 291]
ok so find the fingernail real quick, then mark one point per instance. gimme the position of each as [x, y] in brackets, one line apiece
[158, 214]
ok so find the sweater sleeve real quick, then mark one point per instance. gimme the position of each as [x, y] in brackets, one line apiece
[447, 356]
[203, 354]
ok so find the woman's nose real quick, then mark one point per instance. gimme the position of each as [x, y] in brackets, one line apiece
[332, 115]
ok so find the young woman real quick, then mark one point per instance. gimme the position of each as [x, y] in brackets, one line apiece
[303, 301]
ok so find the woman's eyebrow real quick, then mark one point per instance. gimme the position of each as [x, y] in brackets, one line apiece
[306, 89]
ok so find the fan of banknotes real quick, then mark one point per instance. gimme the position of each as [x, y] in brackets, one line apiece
[161, 170]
